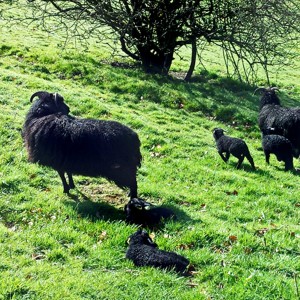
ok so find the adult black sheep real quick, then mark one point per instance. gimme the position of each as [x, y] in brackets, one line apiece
[284, 120]
[85, 147]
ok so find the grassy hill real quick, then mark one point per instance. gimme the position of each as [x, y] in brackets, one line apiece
[239, 228]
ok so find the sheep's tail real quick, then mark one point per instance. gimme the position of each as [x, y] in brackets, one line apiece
[139, 159]
[40, 94]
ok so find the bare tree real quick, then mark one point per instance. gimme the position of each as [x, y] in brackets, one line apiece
[252, 33]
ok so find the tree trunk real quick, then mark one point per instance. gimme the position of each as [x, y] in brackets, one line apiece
[157, 63]
[193, 61]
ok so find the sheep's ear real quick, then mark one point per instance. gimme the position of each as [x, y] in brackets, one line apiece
[138, 206]
[150, 242]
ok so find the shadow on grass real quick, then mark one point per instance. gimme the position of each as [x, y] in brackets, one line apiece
[247, 168]
[296, 171]
[94, 211]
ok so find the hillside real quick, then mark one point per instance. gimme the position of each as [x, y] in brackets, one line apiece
[239, 228]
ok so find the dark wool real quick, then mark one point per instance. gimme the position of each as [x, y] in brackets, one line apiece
[80, 146]
[280, 146]
[140, 212]
[230, 145]
[144, 252]
[285, 121]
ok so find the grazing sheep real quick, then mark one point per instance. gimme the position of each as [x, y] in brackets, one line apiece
[284, 120]
[230, 145]
[278, 145]
[144, 252]
[140, 212]
[85, 147]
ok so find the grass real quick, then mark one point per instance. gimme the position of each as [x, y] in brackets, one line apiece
[239, 228]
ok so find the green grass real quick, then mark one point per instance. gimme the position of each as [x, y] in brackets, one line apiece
[239, 228]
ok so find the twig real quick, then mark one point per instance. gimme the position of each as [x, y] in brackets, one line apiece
[296, 284]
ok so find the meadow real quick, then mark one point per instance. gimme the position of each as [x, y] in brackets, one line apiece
[239, 228]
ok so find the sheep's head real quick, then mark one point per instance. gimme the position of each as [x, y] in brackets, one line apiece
[141, 237]
[48, 103]
[137, 204]
[269, 96]
[217, 133]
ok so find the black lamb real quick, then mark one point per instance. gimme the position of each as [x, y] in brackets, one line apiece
[284, 120]
[144, 252]
[278, 145]
[141, 212]
[230, 145]
[86, 147]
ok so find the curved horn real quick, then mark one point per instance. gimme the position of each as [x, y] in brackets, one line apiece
[40, 94]
[259, 89]
[274, 88]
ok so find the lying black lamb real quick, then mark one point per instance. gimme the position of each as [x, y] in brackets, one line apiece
[141, 212]
[230, 145]
[144, 252]
[278, 145]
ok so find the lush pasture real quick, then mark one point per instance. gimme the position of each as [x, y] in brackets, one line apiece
[239, 228]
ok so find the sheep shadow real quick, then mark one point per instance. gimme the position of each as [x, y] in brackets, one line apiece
[180, 218]
[87, 208]
[296, 172]
[94, 211]
[245, 166]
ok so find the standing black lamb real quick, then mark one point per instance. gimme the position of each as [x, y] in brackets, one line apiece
[144, 252]
[284, 120]
[278, 145]
[85, 147]
[230, 145]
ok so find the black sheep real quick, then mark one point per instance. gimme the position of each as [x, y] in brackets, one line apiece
[278, 145]
[230, 145]
[86, 147]
[284, 120]
[140, 212]
[144, 252]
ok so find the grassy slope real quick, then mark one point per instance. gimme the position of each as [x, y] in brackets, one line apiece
[239, 228]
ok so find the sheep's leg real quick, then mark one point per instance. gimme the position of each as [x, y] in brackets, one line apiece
[64, 182]
[289, 164]
[71, 182]
[267, 155]
[133, 190]
[125, 177]
[250, 159]
[226, 157]
[241, 159]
